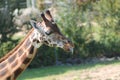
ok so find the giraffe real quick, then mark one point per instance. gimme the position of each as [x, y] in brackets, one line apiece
[44, 32]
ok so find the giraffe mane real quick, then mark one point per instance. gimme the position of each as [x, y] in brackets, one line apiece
[13, 50]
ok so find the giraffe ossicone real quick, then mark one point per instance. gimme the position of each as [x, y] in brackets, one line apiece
[44, 32]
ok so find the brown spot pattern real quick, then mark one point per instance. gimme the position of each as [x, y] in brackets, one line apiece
[54, 45]
[2, 65]
[46, 42]
[27, 44]
[9, 77]
[17, 72]
[27, 60]
[31, 50]
[3, 72]
[41, 38]
[20, 52]
[14, 63]
[12, 58]
[49, 40]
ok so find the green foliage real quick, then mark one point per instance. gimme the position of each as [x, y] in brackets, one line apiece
[6, 47]
[7, 28]
[44, 57]
[94, 28]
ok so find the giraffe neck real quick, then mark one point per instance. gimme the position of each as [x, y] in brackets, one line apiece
[17, 60]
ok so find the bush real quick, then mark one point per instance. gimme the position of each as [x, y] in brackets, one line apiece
[6, 47]
[94, 28]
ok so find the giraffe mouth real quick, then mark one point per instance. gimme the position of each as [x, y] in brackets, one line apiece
[69, 49]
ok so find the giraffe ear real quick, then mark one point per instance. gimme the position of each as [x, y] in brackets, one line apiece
[44, 18]
[36, 27]
[34, 24]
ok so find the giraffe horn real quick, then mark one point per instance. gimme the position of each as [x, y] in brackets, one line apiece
[43, 17]
[49, 16]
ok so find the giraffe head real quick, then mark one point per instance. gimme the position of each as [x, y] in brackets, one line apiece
[47, 32]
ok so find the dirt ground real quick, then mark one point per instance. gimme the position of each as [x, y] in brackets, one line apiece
[109, 72]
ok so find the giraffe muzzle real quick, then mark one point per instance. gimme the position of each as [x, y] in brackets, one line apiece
[69, 49]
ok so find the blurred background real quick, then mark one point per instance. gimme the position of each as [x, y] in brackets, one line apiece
[92, 25]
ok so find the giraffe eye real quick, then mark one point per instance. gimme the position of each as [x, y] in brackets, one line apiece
[53, 22]
[49, 32]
